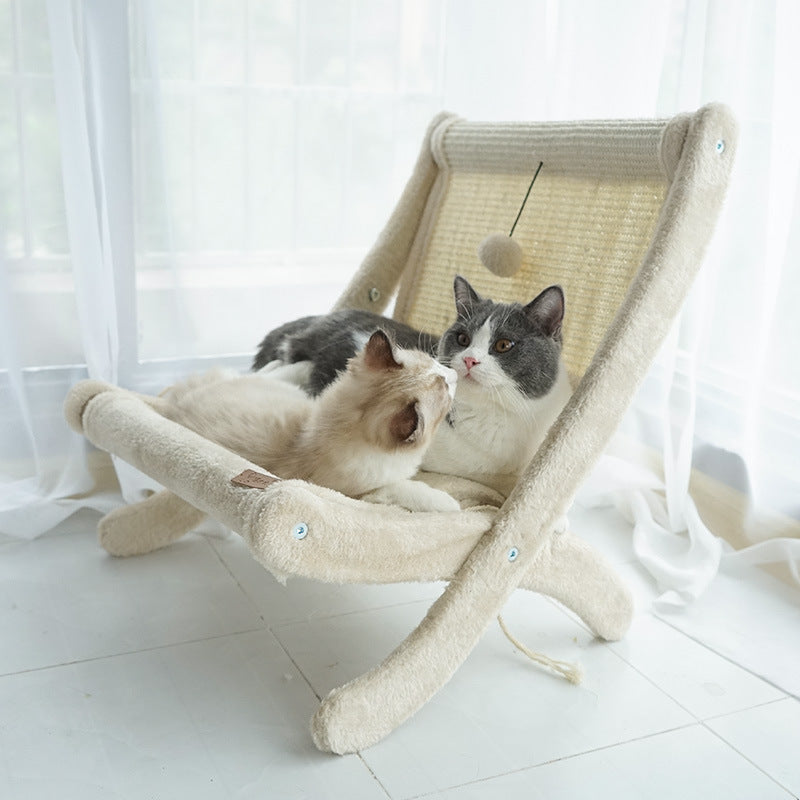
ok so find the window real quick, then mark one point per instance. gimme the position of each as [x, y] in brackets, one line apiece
[255, 154]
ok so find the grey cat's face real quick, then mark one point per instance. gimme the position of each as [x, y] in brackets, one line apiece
[502, 346]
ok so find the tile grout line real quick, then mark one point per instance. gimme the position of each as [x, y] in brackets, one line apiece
[319, 700]
[701, 721]
[652, 682]
[608, 646]
[325, 617]
[263, 627]
[295, 664]
[322, 617]
[697, 717]
[747, 758]
[720, 655]
[241, 588]
[532, 767]
[739, 752]
[272, 629]
[576, 618]
[124, 653]
[716, 717]
[374, 776]
[266, 627]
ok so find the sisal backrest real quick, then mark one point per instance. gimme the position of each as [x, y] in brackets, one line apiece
[586, 225]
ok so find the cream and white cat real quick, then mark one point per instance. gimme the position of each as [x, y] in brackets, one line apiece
[365, 435]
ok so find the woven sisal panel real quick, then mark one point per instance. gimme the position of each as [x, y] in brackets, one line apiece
[588, 234]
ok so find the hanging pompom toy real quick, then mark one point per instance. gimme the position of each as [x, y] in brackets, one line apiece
[498, 252]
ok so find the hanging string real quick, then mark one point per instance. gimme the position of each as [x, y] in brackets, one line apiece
[501, 254]
[525, 199]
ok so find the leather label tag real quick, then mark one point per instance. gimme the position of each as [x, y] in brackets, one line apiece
[253, 480]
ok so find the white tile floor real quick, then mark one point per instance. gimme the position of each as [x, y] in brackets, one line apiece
[191, 673]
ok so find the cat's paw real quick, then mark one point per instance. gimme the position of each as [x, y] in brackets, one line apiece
[414, 496]
[297, 373]
[436, 500]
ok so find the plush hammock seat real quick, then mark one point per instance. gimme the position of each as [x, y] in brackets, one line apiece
[620, 216]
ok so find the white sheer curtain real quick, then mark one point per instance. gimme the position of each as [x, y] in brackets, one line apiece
[721, 408]
[179, 176]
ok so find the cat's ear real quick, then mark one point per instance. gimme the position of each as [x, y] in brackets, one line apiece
[406, 425]
[379, 352]
[466, 297]
[547, 311]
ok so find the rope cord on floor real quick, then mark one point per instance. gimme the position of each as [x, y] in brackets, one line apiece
[572, 672]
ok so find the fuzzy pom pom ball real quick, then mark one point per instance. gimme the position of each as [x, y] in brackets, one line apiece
[500, 254]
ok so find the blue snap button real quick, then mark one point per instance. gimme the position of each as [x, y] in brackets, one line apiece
[512, 554]
[300, 531]
[720, 145]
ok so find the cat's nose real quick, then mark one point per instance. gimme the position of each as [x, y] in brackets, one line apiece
[470, 362]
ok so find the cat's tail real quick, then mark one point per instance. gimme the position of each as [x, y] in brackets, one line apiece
[160, 403]
[277, 344]
[170, 401]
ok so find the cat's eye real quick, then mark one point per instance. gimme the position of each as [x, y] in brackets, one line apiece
[503, 345]
[463, 339]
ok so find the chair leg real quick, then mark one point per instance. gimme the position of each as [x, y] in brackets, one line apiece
[149, 525]
[361, 713]
[570, 571]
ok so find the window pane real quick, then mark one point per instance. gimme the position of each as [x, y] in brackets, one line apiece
[375, 49]
[11, 219]
[44, 318]
[34, 41]
[220, 170]
[173, 38]
[6, 38]
[267, 160]
[43, 170]
[220, 41]
[321, 142]
[369, 181]
[420, 45]
[271, 171]
[272, 42]
[327, 42]
[163, 175]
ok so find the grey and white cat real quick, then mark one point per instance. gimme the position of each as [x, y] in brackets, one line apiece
[321, 345]
[512, 382]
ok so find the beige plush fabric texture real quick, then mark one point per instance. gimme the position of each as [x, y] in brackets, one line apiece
[620, 215]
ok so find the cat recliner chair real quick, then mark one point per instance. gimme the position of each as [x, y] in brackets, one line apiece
[620, 216]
